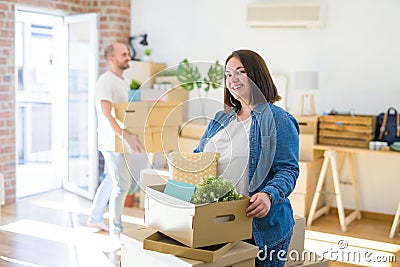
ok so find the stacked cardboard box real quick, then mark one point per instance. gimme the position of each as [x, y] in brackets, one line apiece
[197, 225]
[207, 233]
[306, 152]
[133, 253]
[307, 124]
[303, 193]
[297, 242]
[155, 122]
[163, 213]
[297, 256]
[190, 134]
[144, 72]
[145, 246]
[308, 136]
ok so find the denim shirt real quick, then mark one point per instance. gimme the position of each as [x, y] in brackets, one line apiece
[273, 166]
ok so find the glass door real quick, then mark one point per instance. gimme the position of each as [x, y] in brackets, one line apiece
[81, 140]
[36, 94]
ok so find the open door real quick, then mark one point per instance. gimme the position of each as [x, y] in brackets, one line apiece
[37, 61]
[80, 138]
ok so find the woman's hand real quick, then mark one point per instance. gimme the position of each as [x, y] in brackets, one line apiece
[260, 205]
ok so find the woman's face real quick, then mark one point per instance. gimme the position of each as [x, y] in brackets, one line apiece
[236, 80]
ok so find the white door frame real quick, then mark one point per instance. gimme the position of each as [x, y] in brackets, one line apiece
[60, 99]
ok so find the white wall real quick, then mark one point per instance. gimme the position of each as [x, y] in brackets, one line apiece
[356, 53]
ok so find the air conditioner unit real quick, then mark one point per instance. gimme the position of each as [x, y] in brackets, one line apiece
[286, 14]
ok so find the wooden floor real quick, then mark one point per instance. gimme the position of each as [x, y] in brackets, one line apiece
[368, 237]
[50, 230]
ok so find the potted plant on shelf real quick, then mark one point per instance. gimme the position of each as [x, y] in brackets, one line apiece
[134, 92]
[190, 77]
[147, 53]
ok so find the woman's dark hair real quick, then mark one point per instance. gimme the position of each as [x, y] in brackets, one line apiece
[260, 80]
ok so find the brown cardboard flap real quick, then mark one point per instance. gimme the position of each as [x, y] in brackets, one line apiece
[164, 244]
[133, 254]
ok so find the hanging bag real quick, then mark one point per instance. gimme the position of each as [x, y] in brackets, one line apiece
[388, 126]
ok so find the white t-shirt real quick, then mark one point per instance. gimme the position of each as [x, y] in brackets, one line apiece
[114, 89]
[232, 144]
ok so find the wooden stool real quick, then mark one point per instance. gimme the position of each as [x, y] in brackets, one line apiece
[395, 222]
[330, 157]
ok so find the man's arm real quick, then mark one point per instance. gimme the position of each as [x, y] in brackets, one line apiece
[132, 139]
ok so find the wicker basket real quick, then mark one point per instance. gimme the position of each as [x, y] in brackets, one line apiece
[192, 167]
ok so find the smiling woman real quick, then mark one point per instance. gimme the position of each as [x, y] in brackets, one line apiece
[258, 146]
[237, 82]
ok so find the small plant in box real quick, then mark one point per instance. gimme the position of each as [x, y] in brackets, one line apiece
[215, 189]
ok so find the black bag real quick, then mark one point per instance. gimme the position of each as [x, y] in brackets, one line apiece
[388, 127]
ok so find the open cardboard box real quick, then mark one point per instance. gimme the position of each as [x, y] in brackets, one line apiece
[162, 243]
[241, 254]
[197, 225]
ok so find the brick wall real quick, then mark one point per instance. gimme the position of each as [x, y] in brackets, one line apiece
[114, 24]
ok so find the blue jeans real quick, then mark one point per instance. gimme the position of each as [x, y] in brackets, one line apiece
[120, 173]
[101, 199]
[274, 256]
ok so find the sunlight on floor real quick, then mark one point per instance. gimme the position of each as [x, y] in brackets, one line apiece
[71, 205]
[352, 250]
[131, 219]
[24, 263]
[89, 246]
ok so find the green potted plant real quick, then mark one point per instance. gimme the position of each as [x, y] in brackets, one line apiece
[190, 77]
[134, 92]
[147, 53]
[130, 199]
